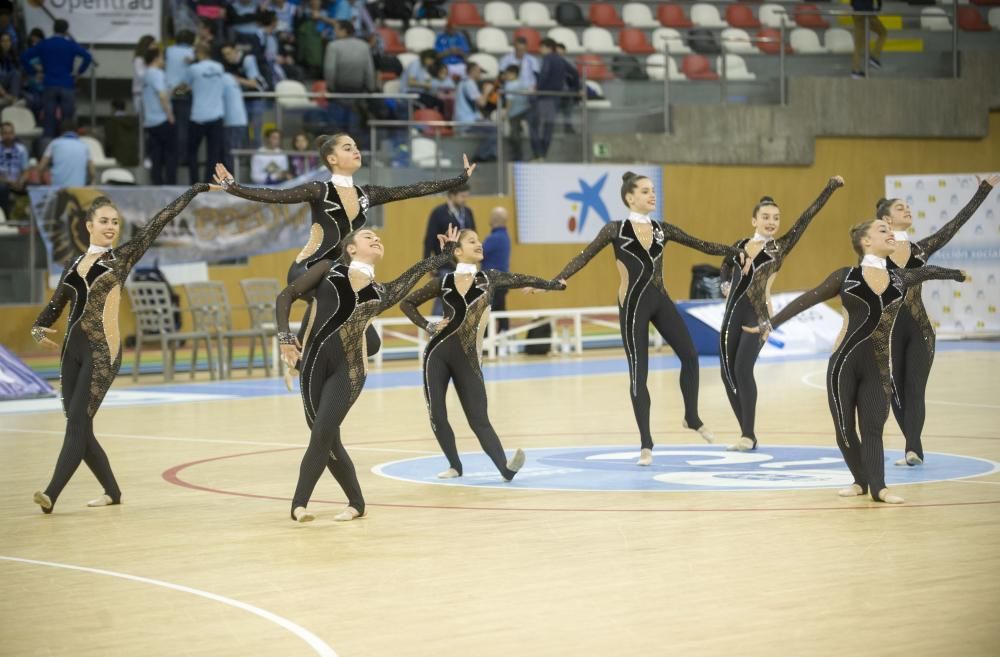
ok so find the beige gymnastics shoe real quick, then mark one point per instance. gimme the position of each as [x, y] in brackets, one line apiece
[645, 457]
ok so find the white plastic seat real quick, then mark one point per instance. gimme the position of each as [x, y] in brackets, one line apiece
[292, 95]
[97, 152]
[500, 14]
[567, 37]
[492, 40]
[487, 62]
[669, 39]
[735, 40]
[806, 42]
[838, 41]
[934, 19]
[603, 103]
[23, 121]
[772, 15]
[390, 86]
[117, 175]
[637, 14]
[407, 58]
[736, 68]
[535, 14]
[423, 151]
[706, 15]
[993, 18]
[658, 65]
[599, 41]
[419, 38]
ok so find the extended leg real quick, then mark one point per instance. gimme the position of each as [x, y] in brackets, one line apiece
[472, 393]
[668, 321]
[746, 357]
[635, 336]
[842, 391]
[437, 374]
[729, 343]
[873, 411]
[919, 359]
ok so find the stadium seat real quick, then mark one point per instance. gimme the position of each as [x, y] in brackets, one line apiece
[598, 40]
[970, 20]
[697, 67]
[487, 62]
[530, 35]
[806, 42]
[423, 151]
[492, 40]
[23, 120]
[672, 15]
[535, 14]
[993, 18]
[117, 176]
[97, 155]
[567, 37]
[669, 39]
[637, 14]
[655, 68]
[769, 41]
[805, 16]
[634, 41]
[465, 14]
[706, 15]
[982, 3]
[407, 58]
[934, 19]
[593, 67]
[419, 38]
[772, 15]
[736, 68]
[390, 87]
[741, 16]
[838, 41]
[569, 14]
[426, 114]
[604, 15]
[292, 95]
[595, 89]
[500, 14]
[736, 40]
[390, 41]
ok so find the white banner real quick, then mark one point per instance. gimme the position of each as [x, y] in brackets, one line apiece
[813, 332]
[567, 203]
[97, 21]
[956, 309]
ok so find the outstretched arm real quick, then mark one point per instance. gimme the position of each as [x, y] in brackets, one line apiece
[381, 195]
[133, 250]
[302, 285]
[711, 248]
[932, 243]
[507, 281]
[602, 240]
[824, 291]
[911, 277]
[399, 288]
[788, 241]
[307, 193]
[410, 304]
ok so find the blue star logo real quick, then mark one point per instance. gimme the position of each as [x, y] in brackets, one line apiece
[589, 197]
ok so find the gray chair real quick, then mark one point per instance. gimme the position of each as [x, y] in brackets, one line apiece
[154, 322]
[212, 313]
[259, 295]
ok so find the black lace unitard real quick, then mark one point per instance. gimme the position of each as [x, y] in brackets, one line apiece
[859, 376]
[453, 353]
[91, 352]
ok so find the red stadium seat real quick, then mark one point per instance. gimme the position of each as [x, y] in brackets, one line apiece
[741, 16]
[970, 20]
[673, 16]
[805, 16]
[390, 38]
[594, 68]
[771, 47]
[697, 67]
[465, 14]
[319, 87]
[604, 15]
[432, 115]
[634, 42]
[530, 35]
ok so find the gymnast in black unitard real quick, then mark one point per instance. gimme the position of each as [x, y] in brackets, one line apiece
[334, 364]
[453, 352]
[913, 337]
[748, 298]
[858, 377]
[91, 351]
[638, 243]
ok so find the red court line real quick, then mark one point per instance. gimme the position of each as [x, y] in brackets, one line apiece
[172, 476]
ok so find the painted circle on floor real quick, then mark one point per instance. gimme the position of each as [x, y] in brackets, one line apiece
[680, 468]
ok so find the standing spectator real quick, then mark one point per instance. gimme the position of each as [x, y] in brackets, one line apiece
[69, 158]
[234, 120]
[13, 166]
[243, 67]
[58, 55]
[207, 110]
[417, 80]
[241, 16]
[496, 255]
[518, 107]
[470, 103]
[323, 13]
[453, 48]
[400, 10]
[566, 103]
[305, 161]
[364, 26]
[177, 59]
[551, 77]
[10, 72]
[286, 11]
[348, 68]
[7, 25]
[139, 70]
[875, 25]
[158, 119]
[527, 64]
[453, 212]
[269, 164]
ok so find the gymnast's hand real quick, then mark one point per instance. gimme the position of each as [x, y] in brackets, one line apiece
[291, 353]
[37, 333]
[222, 176]
[537, 290]
[992, 181]
[450, 237]
[764, 329]
[469, 168]
[839, 180]
[434, 328]
[746, 261]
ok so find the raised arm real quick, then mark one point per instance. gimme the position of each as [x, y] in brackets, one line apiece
[299, 287]
[381, 195]
[307, 193]
[932, 243]
[399, 288]
[410, 304]
[788, 241]
[911, 277]
[133, 250]
[711, 248]
[506, 281]
[578, 262]
[823, 292]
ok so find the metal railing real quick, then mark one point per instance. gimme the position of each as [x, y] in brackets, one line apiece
[279, 106]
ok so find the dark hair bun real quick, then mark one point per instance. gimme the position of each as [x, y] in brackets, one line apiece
[765, 200]
[628, 175]
[882, 201]
[319, 141]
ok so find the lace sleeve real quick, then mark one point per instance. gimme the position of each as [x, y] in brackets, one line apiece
[823, 292]
[60, 297]
[300, 286]
[602, 240]
[711, 248]
[506, 281]
[788, 241]
[918, 275]
[421, 296]
[932, 243]
[133, 250]
[397, 289]
[307, 193]
[726, 269]
[382, 195]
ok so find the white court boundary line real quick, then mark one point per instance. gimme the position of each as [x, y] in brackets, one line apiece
[807, 380]
[317, 644]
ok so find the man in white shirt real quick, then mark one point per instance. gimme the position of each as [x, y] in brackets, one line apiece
[269, 164]
[528, 65]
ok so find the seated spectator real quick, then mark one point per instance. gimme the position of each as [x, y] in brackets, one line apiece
[417, 80]
[453, 48]
[69, 158]
[13, 166]
[10, 72]
[364, 26]
[32, 85]
[518, 107]
[322, 13]
[302, 164]
[241, 16]
[470, 102]
[443, 88]
[7, 25]
[269, 164]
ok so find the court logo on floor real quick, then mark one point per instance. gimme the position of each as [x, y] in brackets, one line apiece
[681, 468]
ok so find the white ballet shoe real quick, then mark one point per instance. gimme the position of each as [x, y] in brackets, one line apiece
[645, 457]
[349, 513]
[887, 497]
[302, 515]
[516, 462]
[103, 500]
[744, 444]
[852, 491]
[290, 376]
[704, 432]
[911, 458]
[450, 473]
[42, 500]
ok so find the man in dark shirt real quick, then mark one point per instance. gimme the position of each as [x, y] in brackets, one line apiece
[58, 56]
[454, 212]
[556, 74]
[496, 255]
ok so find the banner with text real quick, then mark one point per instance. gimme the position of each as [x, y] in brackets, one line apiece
[566, 203]
[956, 309]
[98, 21]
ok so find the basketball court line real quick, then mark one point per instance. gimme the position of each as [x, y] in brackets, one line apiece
[807, 380]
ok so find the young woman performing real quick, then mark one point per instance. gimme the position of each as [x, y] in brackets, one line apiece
[91, 351]
[642, 299]
[335, 361]
[912, 335]
[453, 352]
[858, 377]
[748, 298]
